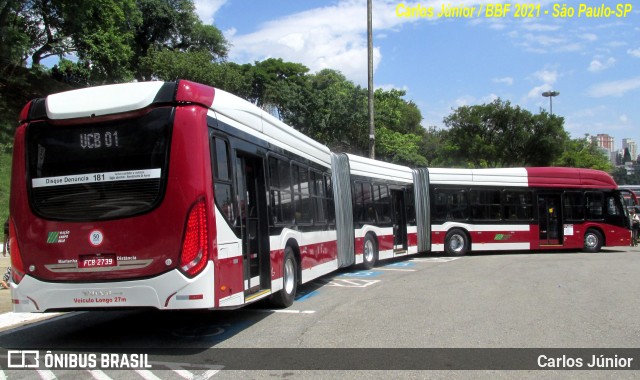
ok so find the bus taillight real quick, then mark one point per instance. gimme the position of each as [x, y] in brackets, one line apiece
[194, 254]
[17, 267]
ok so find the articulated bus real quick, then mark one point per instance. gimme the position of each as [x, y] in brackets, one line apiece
[182, 196]
[525, 209]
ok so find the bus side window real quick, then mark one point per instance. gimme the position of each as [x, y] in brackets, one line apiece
[222, 180]
[595, 205]
[573, 209]
[280, 196]
[612, 206]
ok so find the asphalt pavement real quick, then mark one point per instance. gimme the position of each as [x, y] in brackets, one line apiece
[5, 294]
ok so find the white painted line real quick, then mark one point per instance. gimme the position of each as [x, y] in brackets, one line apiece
[435, 259]
[99, 375]
[45, 374]
[398, 270]
[183, 373]
[190, 376]
[2, 375]
[355, 283]
[209, 374]
[12, 319]
[147, 375]
[285, 311]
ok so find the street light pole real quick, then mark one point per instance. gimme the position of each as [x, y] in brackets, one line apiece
[550, 95]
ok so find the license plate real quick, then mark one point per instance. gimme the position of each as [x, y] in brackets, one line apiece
[97, 261]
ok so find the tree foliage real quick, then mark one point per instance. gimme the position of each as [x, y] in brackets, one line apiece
[583, 153]
[500, 135]
[111, 38]
[119, 40]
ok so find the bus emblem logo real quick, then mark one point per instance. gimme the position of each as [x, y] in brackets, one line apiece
[96, 237]
[54, 237]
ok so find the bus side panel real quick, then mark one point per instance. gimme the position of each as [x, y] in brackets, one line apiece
[487, 237]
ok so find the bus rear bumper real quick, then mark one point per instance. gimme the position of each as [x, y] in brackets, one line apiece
[169, 291]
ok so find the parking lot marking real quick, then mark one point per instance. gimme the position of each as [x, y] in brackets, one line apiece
[366, 273]
[435, 259]
[304, 296]
[401, 264]
[285, 311]
[99, 375]
[398, 269]
[352, 283]
[147, 375]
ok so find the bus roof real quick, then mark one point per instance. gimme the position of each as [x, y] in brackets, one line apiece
[524, 177]
[274, 130]
[378, 169]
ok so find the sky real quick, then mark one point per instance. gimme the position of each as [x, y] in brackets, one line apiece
[446, 62]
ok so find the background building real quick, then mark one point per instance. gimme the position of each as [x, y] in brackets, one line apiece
[632, 146]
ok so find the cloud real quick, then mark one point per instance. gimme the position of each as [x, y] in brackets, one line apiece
[506, 80]
[547, 76]
[206, 9]
[331, 36]
[470, 100]
[597, 65]
[634, 52]
[614, 88]
[537, 27]
[325, 37]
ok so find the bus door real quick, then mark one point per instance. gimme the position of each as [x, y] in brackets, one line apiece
[254, 230]
[399, 221]
[550, 219]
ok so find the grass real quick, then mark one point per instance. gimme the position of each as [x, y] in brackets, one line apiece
[5, 180]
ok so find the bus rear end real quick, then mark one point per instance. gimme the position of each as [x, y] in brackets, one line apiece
[110, 200]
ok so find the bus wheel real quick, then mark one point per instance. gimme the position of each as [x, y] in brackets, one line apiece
[592, 241]
[370, 254]
[456, 243]
[284, 298]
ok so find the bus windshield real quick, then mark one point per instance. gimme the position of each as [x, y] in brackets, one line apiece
[98, 171]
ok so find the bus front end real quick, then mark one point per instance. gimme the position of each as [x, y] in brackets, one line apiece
[111, 200]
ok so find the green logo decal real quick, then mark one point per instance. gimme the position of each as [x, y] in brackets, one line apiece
[500, 237]
[53, 237]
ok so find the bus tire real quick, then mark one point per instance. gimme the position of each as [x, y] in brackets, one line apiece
[370, 252]
[284, 297]
[592, 241]
[456, 243]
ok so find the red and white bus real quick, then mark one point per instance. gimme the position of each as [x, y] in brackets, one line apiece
[182, 196]
[525, 209]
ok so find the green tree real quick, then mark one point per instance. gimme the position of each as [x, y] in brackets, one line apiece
[170, 65]
[274, 80]
[103, 34]
[433, 147]
[398, 147]
[583, 153]
[44, 23]
[173, 25]
[500, 135]
[392, 111]
[14, 40]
